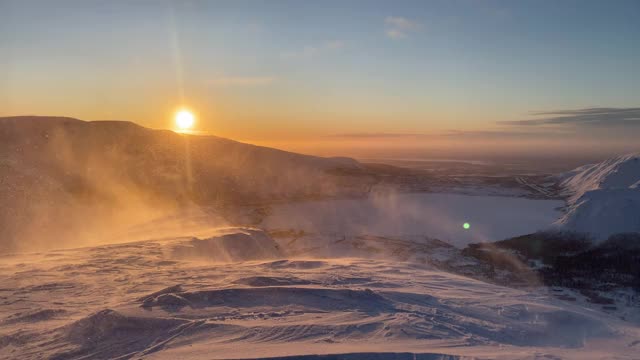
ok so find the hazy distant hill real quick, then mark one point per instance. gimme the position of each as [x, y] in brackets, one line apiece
[58, 175]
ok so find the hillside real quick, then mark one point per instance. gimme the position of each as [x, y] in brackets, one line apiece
[603, 198]
[621, 172]
[62, 177]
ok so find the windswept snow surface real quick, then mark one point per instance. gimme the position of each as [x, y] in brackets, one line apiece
[604, 198]
[147, 300]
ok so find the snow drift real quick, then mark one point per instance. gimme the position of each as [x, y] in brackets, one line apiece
[238, 245]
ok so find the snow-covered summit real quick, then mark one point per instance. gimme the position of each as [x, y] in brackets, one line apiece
[622, 172]
[603, 198]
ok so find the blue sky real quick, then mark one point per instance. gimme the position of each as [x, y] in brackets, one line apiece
[265, 70]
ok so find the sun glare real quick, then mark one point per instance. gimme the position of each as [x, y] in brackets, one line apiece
[184, 120]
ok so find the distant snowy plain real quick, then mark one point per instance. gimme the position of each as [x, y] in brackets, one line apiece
[436, 215]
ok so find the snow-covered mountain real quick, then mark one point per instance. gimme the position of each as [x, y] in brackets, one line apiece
[63, 178]
[603, 198]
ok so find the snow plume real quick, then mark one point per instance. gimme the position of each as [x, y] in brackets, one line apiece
[440, 216]
[67, 182]
[400, 215]
[67, 186]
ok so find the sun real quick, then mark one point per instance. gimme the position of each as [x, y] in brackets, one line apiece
[184, 120]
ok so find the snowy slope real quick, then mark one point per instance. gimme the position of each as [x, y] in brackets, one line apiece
[603, 198]
[620, 172]
[63, 178]
[147, 300]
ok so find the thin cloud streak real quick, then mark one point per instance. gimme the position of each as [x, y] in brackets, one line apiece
[556, 124]
[588, 117]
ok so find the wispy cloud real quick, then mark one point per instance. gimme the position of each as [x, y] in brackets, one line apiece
[589, 117]
[556, 125]
[397, 27]
[243, 81]
[313, 50]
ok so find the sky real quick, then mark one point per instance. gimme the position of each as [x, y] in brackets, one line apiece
[334, 77]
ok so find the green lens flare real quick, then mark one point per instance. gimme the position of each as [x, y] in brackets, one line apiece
[466, 226]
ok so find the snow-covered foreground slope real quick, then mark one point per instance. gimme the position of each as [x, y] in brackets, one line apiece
[604, 198]
[181, 299]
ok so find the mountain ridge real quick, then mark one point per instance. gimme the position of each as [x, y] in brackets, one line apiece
[60, 174]
[603, 198]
